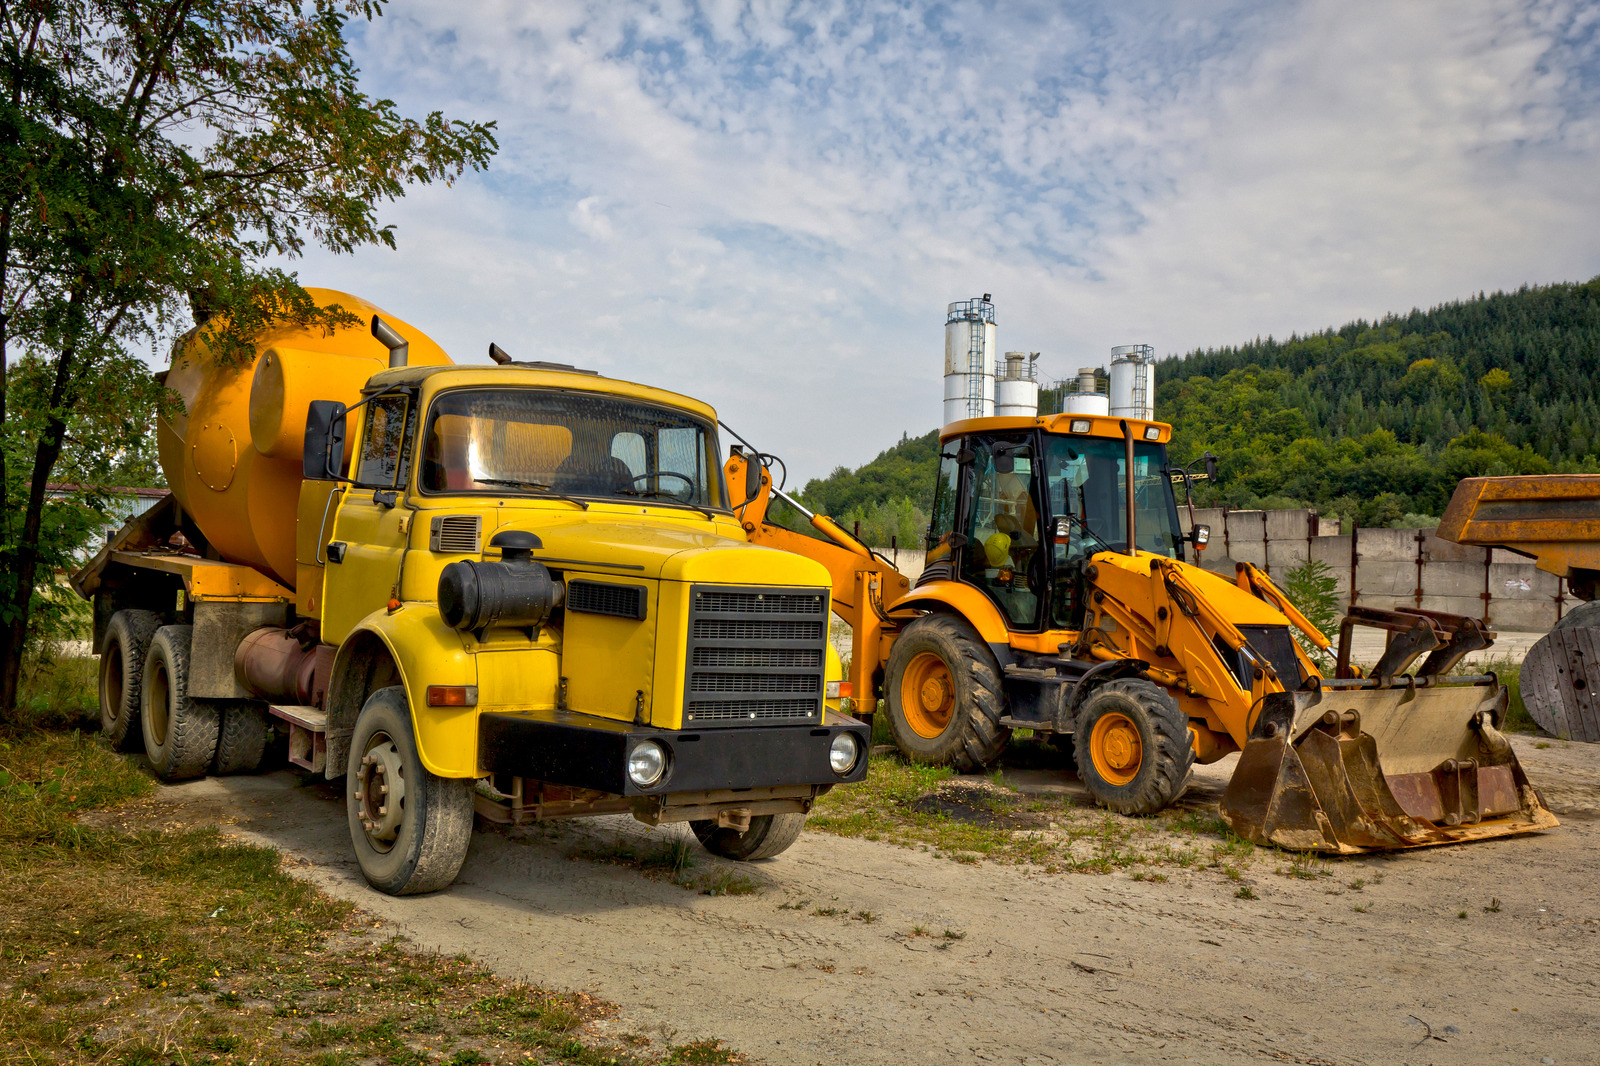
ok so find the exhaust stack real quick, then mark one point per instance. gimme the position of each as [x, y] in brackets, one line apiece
[399, 347]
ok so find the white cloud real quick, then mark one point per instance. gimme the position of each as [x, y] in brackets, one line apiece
[769, 204]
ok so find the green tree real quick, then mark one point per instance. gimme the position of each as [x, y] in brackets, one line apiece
[152, 154]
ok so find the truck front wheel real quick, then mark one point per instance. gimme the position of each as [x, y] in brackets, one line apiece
[768, 835]
[410, 827]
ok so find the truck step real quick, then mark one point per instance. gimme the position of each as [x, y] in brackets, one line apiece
[308, 734]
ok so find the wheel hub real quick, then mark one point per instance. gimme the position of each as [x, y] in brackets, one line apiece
[381, 792]
[928, 695]
[1116, 748]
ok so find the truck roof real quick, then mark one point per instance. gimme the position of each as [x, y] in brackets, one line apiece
[535, 375]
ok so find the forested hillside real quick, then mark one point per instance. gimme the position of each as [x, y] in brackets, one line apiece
[1374, 422]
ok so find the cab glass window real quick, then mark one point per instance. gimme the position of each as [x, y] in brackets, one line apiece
[383, 441]
[1003, 543]
[943, 523]
[1086, 484]
[543, 442]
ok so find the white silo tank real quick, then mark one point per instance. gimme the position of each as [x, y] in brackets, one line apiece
[1088, 400]
[969, 345]
[1133, 381]
[1016, 391]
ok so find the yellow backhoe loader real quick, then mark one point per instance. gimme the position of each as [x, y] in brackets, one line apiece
[1058, 598]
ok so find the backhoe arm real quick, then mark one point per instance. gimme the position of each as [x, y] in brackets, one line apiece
[862, 581]
[1263, 587]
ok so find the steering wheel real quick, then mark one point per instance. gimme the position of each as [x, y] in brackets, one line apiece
[688, 482]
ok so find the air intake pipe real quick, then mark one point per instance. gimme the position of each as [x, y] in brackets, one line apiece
[275, 666]
[399, 347]
[516, 591]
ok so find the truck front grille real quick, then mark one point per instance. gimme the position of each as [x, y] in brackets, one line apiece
[756, 655]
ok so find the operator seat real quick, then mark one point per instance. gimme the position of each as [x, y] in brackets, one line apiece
[592, 475]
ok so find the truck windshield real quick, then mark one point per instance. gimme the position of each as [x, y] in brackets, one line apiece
[1084, 477]
[542, 441]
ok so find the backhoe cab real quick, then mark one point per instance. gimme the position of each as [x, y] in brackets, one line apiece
[1059, 597]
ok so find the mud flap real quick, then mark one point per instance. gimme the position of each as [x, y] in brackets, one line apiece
[1369, 769]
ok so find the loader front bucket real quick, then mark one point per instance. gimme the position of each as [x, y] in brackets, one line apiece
[1364, 768]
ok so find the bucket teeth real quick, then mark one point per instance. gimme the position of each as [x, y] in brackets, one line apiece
[1429, 767]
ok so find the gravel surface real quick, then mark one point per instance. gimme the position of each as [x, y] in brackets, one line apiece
[1365, 961]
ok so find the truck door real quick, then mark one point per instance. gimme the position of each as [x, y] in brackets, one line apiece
[367, 546]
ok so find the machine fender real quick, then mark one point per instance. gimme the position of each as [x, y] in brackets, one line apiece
[1094, 677]
[424, 651]
[963, 600]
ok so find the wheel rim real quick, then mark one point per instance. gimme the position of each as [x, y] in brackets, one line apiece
[1116, 748]
[927, 695]
[160, 692]
[381, 791]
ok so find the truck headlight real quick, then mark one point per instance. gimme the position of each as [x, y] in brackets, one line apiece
[843, 753]
[647, 763]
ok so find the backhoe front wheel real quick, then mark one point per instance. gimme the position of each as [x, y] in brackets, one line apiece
[943, 688]
[1133, 748]
[410, 827]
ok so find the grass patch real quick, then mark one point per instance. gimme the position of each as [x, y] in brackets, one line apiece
[130, 945]
[969, 819]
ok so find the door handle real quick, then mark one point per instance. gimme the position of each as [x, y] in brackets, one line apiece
[336, 551]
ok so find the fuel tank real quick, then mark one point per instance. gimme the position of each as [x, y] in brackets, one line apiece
[233, 456]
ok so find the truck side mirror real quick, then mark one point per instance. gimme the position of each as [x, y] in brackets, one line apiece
[1201, 535]
[1211, 467]
[324, 452]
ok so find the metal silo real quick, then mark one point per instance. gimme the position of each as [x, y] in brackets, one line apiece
[969, 344]
[1016, 389]
[1088, 400]
[1133, 381]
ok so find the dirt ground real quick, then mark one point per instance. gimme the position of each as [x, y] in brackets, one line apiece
[1368, 960]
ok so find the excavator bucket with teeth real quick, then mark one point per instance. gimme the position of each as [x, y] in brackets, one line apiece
[1365, 766]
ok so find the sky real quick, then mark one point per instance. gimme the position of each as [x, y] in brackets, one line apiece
[768, 205]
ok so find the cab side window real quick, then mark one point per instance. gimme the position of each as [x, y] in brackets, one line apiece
[942, 526]
[383, 442]
[1002, 554]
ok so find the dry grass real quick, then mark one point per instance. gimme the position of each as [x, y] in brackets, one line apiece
[125, 945]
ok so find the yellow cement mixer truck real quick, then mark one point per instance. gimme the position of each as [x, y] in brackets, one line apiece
[516, 590]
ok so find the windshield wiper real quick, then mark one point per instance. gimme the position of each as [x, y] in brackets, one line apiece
[536, 487]
[657, 493]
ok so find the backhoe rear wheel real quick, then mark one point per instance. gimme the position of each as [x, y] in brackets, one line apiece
[1134, 751]
[944, 693]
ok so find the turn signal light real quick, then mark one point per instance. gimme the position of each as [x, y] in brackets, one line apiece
[836, 690]
[452, 695]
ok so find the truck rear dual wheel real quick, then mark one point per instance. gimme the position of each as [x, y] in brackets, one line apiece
[122, 658]
[1134, 752]
[768, 835]
[410, 827]
[180, 732]
[944, 695]
[242, 738]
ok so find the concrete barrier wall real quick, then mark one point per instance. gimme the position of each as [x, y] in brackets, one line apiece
[1392, 567]
[1388, 567]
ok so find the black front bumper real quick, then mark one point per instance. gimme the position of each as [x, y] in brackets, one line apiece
[582, 751]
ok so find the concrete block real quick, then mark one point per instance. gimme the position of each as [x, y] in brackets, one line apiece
[1335, 551]
[1389, 544]
[1529, 615]
[1471, 606]
[1444, 551]
[1285, 555]
[1245, 527]
[1288, 525]
[1452, 579]
[1380, 581]
[1204, 516]
[1521, 581]
[1253, 552]
[1328, 526]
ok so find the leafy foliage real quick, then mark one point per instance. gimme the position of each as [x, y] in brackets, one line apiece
[152, 152]
[1312, 588]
